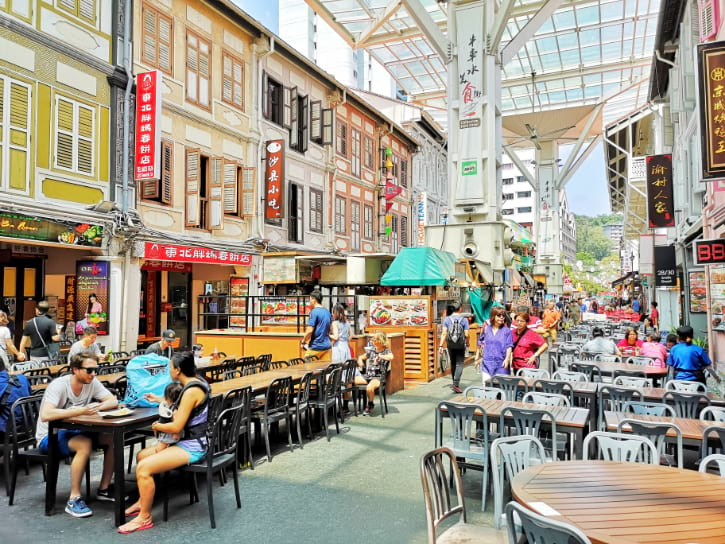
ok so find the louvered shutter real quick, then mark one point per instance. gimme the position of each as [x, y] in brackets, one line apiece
[304, 124]
[231, 187]
[327, 128]
[286, 107]
[709, 18]
[148, 52]
[64, 134]
[316, 121]
[249, 180]
[300, 214]
[192, 67]
[167, 172]
[265, 96]
[85, 140]
[192, 187]
[216, 194]
[204, 72]
[294, 123]
[18, 133]
[87, 10]
[165, 43]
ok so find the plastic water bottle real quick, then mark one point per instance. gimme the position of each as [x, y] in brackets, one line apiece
[110, 355]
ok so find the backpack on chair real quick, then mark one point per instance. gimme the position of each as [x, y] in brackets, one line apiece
[456, 334]
[12, 388]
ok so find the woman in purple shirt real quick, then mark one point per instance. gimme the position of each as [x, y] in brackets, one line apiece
[494, 344]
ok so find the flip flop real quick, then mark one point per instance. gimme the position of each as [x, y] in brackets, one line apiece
[148, 524]
[132, 513]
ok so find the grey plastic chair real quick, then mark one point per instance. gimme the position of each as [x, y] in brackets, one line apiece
[709, 445]
[549, 399]
[687, 405]
[480, 392]
[640, 408]
[540, 529]
[537, 373]
[713, 413]
[512, 386]
[601, 357]
[636, 382]
[465, 440]
[591, 371]
[628, 448]
[717, 458]
[570, 376]
[527, 421]
[657, 433]
[439, 504]
[641, 360]
[509, 456]
[685, 386]
[612, 398]
[558, 387]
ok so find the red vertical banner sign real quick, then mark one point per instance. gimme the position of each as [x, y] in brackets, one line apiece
[147, 158]
[151, 304]
[711, 57]
[70, 298]
[274, 180]
[660, 196]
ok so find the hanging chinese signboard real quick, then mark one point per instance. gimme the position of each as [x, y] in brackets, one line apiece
[70, 298]
[659, 191]
[189, 254]
[274, 180]
[712, 109]
[147, 163]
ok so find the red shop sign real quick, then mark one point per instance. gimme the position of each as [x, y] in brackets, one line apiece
[168, 266]
[147, 163]
[190, 254]
[274, 176]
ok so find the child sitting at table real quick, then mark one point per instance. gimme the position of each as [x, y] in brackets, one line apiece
[167, 407]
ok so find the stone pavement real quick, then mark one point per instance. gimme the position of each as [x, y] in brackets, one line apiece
[361, 487]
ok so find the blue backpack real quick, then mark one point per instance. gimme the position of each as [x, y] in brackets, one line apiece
[12, 388]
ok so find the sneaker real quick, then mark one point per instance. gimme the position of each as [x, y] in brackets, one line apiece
[457, 389]
[108, 494]
[78, 508]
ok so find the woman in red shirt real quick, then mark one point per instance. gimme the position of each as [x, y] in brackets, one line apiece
[630, 344]
[528, 345]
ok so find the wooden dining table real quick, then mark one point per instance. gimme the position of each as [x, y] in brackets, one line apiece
[692, 429]
[261, 380]
[627, 503]
[573, 421]
[608, 368]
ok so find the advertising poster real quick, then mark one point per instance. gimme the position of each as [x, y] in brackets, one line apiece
[698, 299]
[717, 289]
[399, 312]
[92, 299]
[283, 310]
[238, 292]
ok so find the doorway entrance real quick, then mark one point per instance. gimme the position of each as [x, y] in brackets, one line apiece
[180, 316]
[21, 285]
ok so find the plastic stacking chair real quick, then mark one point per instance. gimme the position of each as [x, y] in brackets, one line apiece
[641, 360]
[716, 458]
[570, 376]
[631, 381]
[657, 433]
[548, 399]
[439, 504]
[708, 444]
[558, 387]
[513, 387]
[639, 408]
[481, 392]
[536, 528]
[241, 396]
[347, 387]
[687, 405]
[527, 421]
[591, 371]
[509, 456]
[612, 398]
[602, 358]
[713, 413]
[465, 440]
[628, 373]
[301, 405]
[537, 373]
[276, 408]
[628, 448]
[222, 453]
[273, 365]
[685, 386]
[327, 399]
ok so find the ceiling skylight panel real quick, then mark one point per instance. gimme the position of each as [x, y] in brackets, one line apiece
[591, 54]
[522, 102]
[611, 11]
[612, 51]
[587, 15]
[570, 59]
[589, 37]
[550, 62]
[564, 20]
[568, 40]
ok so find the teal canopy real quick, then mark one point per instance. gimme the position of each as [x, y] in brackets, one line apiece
[419, 266]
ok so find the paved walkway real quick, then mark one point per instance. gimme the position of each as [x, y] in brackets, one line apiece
[363, 486]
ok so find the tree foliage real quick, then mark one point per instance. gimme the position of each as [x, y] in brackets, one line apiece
[590, 237]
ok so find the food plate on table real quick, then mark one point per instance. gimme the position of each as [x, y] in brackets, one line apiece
[120, 412]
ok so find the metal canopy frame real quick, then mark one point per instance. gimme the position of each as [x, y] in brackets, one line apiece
[582, 52]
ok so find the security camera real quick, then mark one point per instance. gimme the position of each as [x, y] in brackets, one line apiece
[470, 250]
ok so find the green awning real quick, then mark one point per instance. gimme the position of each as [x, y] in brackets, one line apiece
[419, 266]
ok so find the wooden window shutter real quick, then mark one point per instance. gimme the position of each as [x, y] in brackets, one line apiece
[18, 133]
[249, 180]
[64, 134]
[708, 12]
[327, 128]
[193, 163]
[286, 107]
[216, 194]
[204, 72]
[167, 172]
[231, 187]
[304, 124]
[316, 121]
[265, 96]
[300, 214]
[294, 135]
[165, 43]
[87, 10]
[148, 47]
[150, 189]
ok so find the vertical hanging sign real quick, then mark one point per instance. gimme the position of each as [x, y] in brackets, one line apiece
[70, 298]
[147, 158]
[711, 57]
[274, 176]
[470, 91]
[660, 196]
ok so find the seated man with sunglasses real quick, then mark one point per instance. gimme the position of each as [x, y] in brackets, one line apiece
[77, 394]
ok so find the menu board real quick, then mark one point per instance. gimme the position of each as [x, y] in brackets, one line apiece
[399, 312]
[238, 292]
[279, 270]
[284, 310]
[717, 289]
[698, 298]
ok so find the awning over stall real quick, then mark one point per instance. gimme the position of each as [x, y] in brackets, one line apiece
[419, 266]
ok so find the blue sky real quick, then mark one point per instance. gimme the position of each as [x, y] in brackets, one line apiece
[265, 11]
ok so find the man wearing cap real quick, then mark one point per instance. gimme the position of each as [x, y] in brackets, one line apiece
[163, 347]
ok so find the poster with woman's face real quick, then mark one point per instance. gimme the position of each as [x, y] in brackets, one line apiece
[92, 295]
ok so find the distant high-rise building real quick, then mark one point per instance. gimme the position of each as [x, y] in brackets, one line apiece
[614, 233]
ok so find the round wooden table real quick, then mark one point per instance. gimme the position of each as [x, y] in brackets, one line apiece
[627, 503]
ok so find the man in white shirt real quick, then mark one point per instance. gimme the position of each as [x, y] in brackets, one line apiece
[77, 394]
[87, 344]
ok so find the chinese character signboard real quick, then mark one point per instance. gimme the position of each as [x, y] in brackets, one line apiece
[712, 108]
[147, 163]
[665, 266]
[470, 91]
[91, 306]
[659, 191]
[189, 254]
[274, 180]
[70, 298]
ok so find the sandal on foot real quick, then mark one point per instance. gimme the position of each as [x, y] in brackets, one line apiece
[135, 525]
[133, 512]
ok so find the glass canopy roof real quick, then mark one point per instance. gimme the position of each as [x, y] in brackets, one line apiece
[586, 52]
